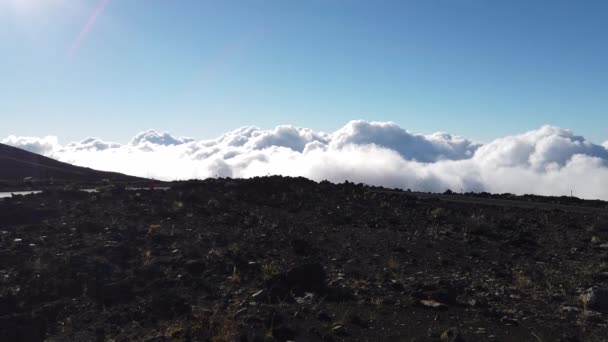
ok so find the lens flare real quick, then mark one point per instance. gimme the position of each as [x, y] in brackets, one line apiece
[88, 27]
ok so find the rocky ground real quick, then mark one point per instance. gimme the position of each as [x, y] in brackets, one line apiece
[278, 259]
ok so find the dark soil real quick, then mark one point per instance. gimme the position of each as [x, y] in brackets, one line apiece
[277, 259]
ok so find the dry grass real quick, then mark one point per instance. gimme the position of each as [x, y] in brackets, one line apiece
[154, 229]
[521, 280]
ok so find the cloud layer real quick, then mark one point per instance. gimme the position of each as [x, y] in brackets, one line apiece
[548, 161]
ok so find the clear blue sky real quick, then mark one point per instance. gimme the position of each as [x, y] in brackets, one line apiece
[481, 69]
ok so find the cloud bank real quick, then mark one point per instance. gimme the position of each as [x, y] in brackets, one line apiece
[547, 161]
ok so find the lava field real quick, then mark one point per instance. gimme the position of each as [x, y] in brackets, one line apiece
[289, 259]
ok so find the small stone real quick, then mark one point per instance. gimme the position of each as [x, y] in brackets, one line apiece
[307, 299]
[568, 308]
[284, 333]
[328, 338]
[356, 320]
[307, 277]
[195, 267]
[600, 276]
[509, 321]
[433, 304]
[451, 335]
[596, 298]
[397, 286]
[339, 330]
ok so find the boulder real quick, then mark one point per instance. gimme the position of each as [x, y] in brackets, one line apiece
[451, 335]
[307, 278]
[596, 298]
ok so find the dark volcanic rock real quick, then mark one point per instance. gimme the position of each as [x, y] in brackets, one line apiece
[452, 335]
[307, 277]
[600, 276]
[301, 247]
[284, 333]
[8, 304]
[117, 292]
[445, 295]
[195, 267]
[596, 298]
[22, 328]
[282, 259]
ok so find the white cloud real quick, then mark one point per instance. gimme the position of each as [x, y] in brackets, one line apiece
[91, 144]
[546, 147]
[156, 138]
[548, 161]
[44, 146]
[410, 146]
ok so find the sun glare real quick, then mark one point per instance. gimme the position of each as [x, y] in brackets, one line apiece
[24, 5]
[28, 7]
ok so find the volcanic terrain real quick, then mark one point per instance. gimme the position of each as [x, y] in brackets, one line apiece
[280, 259]
[19, 168]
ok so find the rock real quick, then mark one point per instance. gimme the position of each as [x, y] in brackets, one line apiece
[116, 293]
[433, 304]
[301, 247]
[509, 321]
[284, 333]
[328, 338]
[339, 330]
[169, 305]
[569, 337]
[356, 320]
[451, 335]
[397, 286]
[600, 276]
[278, 289]
[596, 298]
[195, 267]
[22, 328]
[601, 226]
[257, 294]
[338, 294]
[444, 295]
[306, 300]
[8, 304]
[307, 278]
[324, 316]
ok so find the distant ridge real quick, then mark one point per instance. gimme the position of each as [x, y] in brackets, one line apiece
[17, 164]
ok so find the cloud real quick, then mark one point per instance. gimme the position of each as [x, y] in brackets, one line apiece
[410, 146]
[544, 148]
[44, 146]
[547, 161]
[91, 144]
[156, 138]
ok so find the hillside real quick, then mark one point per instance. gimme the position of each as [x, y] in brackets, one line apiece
[17, 164]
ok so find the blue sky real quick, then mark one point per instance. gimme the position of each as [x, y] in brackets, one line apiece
[481, 69]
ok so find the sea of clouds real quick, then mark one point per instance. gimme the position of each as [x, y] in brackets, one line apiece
[546, 161]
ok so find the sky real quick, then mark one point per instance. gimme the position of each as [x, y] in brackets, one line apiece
[480, 69]
[497, 96]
